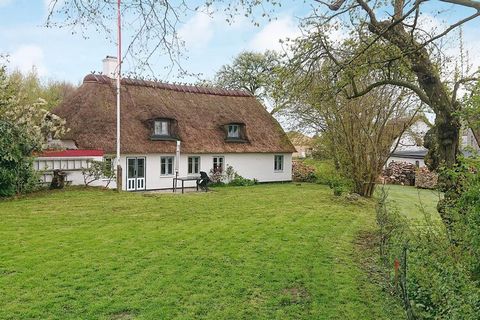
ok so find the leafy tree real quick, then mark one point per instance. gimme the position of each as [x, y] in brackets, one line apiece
[256, 73]
[24, 129]
[29, 88]
[16, 164]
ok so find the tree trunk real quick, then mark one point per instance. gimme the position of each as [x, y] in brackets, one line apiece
[365, 189]
[443, 148]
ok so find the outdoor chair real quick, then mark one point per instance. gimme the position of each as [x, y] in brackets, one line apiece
[204, 181]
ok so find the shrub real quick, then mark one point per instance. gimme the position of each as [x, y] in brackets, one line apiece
[439, 283]
[229, 178]
[97, 170]
[337, 185]
[302, 172]
[238, 180]
[16, 163]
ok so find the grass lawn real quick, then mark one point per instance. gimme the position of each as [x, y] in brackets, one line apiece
[262, 252]
[411, 201]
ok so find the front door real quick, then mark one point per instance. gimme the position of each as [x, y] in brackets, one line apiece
[135, 174]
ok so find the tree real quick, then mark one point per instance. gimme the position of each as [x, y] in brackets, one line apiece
[407, 60]
[29, 88]
[360, 131]
[24, 129]
[256, 73]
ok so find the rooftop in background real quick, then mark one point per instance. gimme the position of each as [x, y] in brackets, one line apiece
[411, 154]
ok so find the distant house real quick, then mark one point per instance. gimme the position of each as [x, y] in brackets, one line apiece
[409, 146]
[469, 140]
[216, 128]
[303, 144]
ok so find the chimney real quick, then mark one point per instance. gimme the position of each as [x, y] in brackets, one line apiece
[110, 67]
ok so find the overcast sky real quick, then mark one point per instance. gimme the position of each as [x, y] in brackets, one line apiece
[210, 42]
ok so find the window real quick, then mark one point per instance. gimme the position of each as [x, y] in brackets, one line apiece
[108, 166]
[193, 165]
[417, 164]
[161, 128]
[233, 131]
[217, 164]
[278, 163]
[166, 166]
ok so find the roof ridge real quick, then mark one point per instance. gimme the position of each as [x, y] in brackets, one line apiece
[187, 88]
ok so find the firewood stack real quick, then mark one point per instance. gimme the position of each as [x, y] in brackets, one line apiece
[402, 173]
[426, 179]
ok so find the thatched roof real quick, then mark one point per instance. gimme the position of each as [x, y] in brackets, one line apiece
[200, 115]
[299, 139]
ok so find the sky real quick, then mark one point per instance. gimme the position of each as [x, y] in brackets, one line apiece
[210, 42]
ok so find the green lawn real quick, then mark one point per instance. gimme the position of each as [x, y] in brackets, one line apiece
[412, 202]
[263, 252]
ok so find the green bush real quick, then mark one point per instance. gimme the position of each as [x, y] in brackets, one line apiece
[240, 181]
[16, 163]
[438, 279]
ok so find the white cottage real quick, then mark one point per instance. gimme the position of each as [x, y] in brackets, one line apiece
[216, 127]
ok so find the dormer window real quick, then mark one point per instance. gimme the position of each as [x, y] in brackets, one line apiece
[161, 128]
[233, 131]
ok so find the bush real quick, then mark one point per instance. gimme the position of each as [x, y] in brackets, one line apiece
[302, 172]
[16, 163]
[240, 181]
[439, 283]
[337, 185]
[229, 178]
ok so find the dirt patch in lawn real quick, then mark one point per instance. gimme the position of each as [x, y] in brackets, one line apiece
[295, 295]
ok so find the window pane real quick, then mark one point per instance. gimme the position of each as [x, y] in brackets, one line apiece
[193, 165]
[161, 128]
[278, 163]
[233, 131]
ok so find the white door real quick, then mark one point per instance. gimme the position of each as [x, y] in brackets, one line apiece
[135, 174]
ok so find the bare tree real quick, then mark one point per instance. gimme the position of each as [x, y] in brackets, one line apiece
[407, 59]
[359, 131]
[152, 25]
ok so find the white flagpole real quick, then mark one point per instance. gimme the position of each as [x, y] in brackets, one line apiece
[119, 74]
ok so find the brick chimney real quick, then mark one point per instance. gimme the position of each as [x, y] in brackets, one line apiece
[110, 67]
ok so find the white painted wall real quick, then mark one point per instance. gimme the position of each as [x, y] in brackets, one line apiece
[249, 165]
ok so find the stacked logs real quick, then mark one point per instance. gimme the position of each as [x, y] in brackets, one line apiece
[425, 179]
[402, 173]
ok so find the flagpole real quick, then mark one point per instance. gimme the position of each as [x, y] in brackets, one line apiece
[119, 74]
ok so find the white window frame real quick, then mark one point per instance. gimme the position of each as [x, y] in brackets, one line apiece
[163, 126]
[275, 162]
[166, 158]
[223, 163]
[194, 159]
[234, 134]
